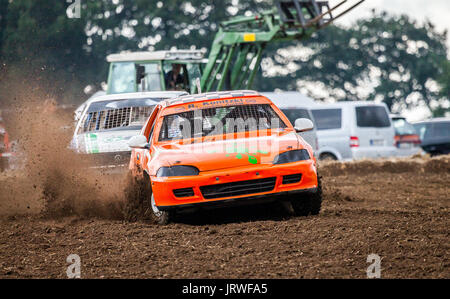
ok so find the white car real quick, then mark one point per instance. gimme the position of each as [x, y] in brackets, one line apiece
[109, 121]
[79, 111]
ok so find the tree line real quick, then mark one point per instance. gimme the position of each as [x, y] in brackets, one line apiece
[384, 57]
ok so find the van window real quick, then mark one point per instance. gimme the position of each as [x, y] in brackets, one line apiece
[293, 114]
[372, 116]
[327, 119]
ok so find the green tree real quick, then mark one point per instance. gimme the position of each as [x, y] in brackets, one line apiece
[3, 13]
[443, 108]
[40, 41]
[390, 58]
[41, 44]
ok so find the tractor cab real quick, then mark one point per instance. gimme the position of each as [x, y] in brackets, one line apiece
[154, 71]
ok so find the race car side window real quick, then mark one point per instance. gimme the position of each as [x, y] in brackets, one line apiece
[151, 123]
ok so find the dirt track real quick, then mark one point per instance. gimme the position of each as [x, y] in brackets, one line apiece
[398, 210]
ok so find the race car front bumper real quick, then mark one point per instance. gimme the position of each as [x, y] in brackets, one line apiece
[241, 185]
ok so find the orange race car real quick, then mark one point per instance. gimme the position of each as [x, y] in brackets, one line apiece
[221, 148]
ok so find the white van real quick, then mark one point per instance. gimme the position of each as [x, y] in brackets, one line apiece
[295, 105]
[354, 130]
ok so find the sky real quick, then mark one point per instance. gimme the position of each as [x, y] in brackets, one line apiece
[437, 11]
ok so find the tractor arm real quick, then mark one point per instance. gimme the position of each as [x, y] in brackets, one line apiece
[237, 48]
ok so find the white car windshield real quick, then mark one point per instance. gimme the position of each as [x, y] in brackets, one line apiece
[127, 114]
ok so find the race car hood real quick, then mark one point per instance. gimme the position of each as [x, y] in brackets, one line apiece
[104, 142]
[229, 153]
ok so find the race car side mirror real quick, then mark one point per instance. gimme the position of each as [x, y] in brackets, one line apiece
[138, 141]
[303, 125]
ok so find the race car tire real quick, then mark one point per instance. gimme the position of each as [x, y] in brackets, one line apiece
[301, 205]
[137, 196]
[140, 203]
[316, 198]
[157, 216]
[304, 205]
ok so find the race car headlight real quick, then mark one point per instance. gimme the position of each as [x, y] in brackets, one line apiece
[292, 156]
[177, 170]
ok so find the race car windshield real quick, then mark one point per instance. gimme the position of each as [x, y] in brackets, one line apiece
[129, 114]
[218, 121]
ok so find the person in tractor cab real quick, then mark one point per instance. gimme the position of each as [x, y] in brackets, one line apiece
[173, 77]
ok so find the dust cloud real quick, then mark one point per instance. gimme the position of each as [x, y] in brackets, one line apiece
[49, 178]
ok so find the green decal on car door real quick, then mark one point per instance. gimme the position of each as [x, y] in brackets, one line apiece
[91, 143]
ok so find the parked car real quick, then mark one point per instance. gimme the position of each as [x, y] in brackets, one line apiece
[296, 105]
[109, 121]
[435, 135]
[188, 166]
[407, 140]
[354, 130]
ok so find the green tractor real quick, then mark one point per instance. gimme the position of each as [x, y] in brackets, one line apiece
[234, 57]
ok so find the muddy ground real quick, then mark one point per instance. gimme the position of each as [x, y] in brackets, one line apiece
[396, 209]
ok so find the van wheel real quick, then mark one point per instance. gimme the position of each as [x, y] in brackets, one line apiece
[157, 216]
[327, 157]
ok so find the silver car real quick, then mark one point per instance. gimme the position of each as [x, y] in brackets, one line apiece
[296, 105]
[354, 130]
[435, 135]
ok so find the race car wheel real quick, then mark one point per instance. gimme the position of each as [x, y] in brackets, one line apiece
[159, 217]
[140, 202]
[308, 204]
[301, 206]
[316, 198]
[136, 191]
